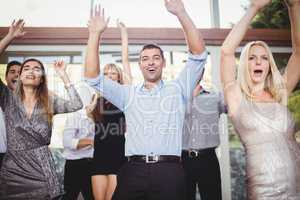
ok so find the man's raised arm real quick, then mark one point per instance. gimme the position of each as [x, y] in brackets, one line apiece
[96, 26]
[193, 70]
[194, 39]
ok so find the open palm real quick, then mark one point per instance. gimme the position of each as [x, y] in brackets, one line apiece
[60, 67]
[16, 28]
[98, 22]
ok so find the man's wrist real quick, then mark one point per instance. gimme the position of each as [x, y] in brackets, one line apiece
[181, 13]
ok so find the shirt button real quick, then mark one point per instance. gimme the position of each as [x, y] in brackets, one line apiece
[193, 140]
[193, 116]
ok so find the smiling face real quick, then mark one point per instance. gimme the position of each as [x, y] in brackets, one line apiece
[111, 73]
[151, 64]
[12, 76]
[258, 64]
[32, 74]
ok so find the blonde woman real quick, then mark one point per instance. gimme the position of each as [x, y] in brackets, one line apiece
[257, 106]
[109, 152]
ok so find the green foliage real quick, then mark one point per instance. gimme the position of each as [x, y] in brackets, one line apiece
[294, 106]
[274, 16]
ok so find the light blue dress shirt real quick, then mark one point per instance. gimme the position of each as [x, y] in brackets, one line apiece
[154, 118]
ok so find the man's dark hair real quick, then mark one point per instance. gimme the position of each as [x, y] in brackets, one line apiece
[11, 63]
[153, 46]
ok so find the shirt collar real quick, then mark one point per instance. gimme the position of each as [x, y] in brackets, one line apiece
[155, 89]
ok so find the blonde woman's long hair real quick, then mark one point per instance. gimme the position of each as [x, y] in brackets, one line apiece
[274, 82]
[101, 102]
[118, 69]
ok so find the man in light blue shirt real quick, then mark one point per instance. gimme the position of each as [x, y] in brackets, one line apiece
[154, 111]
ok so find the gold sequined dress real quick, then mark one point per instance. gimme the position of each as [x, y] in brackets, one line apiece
[267, 133]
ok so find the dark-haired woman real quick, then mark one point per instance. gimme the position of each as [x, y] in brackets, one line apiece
[28, 170]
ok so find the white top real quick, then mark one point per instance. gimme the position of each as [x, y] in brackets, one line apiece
[2, 133]
[78, 126]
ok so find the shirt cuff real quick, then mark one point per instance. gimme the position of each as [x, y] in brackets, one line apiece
[94, 81]
[74, 143]
[198, 57]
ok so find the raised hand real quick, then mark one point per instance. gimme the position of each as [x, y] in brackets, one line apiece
[60, 68]
[121, 25]
[259, 4]
[16, 28]
[15, 31]
[89, 108]
[175, 7]
[98, 22]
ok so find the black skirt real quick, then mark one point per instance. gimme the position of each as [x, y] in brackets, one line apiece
[109, 143]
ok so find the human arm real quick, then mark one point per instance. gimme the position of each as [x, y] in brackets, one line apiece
[292, 71]
[61, 105]
[96, 26]
[89, 109]
[193, 70]
[111, 90]
[5, 95]
[15, 31]
[72, 128]
[127, 76]
[193, 38]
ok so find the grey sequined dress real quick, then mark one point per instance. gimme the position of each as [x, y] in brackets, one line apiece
[272, 153]
[28, 170]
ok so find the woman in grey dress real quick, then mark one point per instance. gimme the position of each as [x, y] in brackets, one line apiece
[257, 102]
[28, 170]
